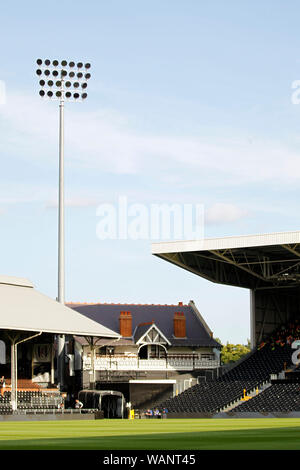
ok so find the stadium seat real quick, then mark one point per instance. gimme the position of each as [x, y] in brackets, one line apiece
[215, 395]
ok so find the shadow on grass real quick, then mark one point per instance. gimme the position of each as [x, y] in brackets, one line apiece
[287, 438]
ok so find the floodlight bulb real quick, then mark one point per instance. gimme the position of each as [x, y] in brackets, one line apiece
[76, 96]
[42, 93]
[71, 64]
[50, 94]
[84, 96]
[39, 72]
[64, 63]
[87, 76]
[47, 62]
[87, 66]
[79, 65]
[39, 61]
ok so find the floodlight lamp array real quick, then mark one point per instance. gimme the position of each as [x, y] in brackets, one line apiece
[61, 80]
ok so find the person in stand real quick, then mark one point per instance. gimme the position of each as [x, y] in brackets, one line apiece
[78, 404]
[149, 413]
[157, 413]
[2, 383]
[164, 413]
[63, 402]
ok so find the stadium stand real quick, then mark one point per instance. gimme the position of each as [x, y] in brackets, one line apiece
[29, 397]
[280, 397]
[257, 371]
[272, 356]
[30, 400]
[33, 399]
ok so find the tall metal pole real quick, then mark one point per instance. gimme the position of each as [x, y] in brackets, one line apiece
[13, 392]
[61, 240]
[61, 228]
[62, 81]
[252, 318]
[14, 367]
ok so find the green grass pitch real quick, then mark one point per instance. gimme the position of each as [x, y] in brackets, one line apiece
[170, 434]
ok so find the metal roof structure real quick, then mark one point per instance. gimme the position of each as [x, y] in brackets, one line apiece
[266, 264]
[252, 261]
[25, 309]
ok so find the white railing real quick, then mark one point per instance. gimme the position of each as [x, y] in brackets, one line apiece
[54, 411]
[120, 363]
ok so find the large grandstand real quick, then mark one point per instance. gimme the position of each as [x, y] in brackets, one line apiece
[266, 380]
[29, 326]
[269, 266]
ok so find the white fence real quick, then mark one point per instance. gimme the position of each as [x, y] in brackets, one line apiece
[120, 363]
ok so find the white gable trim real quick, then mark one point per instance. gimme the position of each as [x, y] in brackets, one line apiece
[145, 339]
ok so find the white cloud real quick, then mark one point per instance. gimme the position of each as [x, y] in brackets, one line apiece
[26, 192]
[221, 213]
[105, 141]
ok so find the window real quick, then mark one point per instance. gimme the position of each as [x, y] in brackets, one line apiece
[157, 352]
[208, 357]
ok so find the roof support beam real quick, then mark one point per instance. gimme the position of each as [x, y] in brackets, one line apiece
[284, 270]
[237, 265]
[174, 258]
[292, 250]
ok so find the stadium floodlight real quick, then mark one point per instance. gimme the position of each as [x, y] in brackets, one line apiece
[63, 81]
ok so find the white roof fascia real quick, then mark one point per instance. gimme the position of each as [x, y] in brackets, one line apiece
[15, 281]
[243, 241]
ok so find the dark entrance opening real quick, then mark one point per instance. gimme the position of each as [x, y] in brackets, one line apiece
[143, 352]
[111, 402]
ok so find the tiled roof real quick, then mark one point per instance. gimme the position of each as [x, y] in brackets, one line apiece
[141, 330]
[161, 315]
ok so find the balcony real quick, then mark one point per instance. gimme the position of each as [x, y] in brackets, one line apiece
[132, 364]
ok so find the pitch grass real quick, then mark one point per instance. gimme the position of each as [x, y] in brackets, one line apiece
[172, 434]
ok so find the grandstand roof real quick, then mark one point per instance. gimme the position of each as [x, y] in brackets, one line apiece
[25, 309]
[260, 261]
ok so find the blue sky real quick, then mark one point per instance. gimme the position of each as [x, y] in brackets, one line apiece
[189, 102]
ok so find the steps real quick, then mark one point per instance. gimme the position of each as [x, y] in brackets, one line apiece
[250, 395]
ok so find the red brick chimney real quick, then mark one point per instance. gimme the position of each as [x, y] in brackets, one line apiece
[125, 320]
[179, 325]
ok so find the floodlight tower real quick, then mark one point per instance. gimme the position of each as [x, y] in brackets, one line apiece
[62, 81]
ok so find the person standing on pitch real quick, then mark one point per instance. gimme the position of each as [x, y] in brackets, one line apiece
[78, 404]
